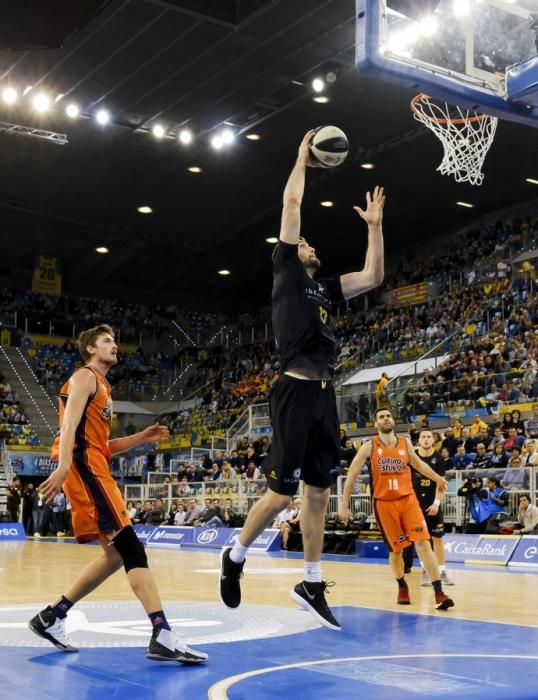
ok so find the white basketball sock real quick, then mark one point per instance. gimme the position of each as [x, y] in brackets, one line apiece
[238, 552]
[312, 571]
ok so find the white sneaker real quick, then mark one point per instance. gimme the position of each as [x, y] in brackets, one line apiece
[51, 628]
[446, 580]
[165, 646]
[37, 534]
[425, 579]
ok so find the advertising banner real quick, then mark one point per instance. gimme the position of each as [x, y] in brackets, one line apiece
[406, 296]
[526, 552]
[480, 549]
[10, 532]
[210, 537]
[32, 464]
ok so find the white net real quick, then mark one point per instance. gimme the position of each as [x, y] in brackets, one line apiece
[466, 137]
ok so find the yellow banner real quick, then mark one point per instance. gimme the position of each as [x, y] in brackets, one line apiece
[47, 278]
[407, 296]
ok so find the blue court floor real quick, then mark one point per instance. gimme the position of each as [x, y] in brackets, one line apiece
[379, 654]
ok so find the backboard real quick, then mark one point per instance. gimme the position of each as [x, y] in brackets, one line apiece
[478, 54]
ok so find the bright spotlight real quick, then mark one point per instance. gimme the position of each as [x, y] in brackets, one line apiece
[318, 85]
[428, 26]
[72, 111]
[321, 99]
[41, 103]
[217, 142]
[227, 136]
[102, 116]
[461, 8]
[158, 131]
[9, 95]
[185, 136]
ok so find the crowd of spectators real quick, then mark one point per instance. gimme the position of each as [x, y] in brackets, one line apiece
[15, 427]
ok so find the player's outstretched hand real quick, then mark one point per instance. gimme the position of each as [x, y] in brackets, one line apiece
[53, 485]
[373, 214]
[304, 156]
[442, 485]
[432, 510]
[156, 433]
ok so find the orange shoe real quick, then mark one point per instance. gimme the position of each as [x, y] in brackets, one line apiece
[443, 602]
[403, 596]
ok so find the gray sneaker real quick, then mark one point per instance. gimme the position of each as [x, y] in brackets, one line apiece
[425, 579]
[446, 580]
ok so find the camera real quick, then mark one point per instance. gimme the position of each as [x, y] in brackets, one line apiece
[473, 486]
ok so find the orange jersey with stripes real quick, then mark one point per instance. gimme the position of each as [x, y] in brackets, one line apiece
[93, 431]
[390, 474]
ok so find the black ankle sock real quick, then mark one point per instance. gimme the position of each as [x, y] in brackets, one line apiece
[401, 582]
[62, 607]
[159, 621]
[437, 586]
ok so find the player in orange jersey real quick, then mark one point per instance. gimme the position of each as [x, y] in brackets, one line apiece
[83, 450]
[395, 504]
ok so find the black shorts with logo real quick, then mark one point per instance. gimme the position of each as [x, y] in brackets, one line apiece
[435, 523]
[305, 435]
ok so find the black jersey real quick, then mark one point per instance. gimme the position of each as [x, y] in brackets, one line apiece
[302, 315]
[425, 488]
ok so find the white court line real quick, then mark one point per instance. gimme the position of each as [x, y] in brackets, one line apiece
[218, 690]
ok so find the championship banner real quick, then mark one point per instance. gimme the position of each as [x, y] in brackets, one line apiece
[526, 552]
[409, 295]
[47, 278]
[480, 549]
[32, 465]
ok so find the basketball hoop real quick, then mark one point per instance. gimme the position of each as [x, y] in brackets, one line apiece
[466, 138]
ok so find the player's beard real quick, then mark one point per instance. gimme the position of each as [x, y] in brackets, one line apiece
[385, 429]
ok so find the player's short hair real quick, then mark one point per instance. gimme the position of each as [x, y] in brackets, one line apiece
[378, 410]
[425, 430]
[90, 336]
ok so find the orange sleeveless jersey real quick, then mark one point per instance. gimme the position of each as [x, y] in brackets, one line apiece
[94, 428]
[390, 474]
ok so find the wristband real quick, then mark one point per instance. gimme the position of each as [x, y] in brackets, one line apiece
[436, 503]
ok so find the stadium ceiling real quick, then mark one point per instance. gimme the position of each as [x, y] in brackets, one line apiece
[201, 65]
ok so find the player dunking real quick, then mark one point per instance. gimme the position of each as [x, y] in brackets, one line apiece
[83, 450]
[430, 499]
[396, 508]
[303, 403]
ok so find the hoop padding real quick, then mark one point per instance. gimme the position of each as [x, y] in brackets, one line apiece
[466, 137]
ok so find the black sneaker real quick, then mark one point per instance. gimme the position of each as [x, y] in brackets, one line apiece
[165, 646]
[45, 624]
[230, 575]
[311, 597]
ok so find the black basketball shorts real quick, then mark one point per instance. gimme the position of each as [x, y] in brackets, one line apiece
[305, 441]
[435, 523]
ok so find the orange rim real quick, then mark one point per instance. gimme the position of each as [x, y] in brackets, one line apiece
[441, 120]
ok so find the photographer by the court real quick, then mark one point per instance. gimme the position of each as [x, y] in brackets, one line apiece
[484, 503]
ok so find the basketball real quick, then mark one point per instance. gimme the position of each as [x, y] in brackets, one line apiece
[329, 146]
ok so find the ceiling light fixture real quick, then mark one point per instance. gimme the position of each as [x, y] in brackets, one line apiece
[102, 116]
[327, 203]
[318, 85]
[468, 205]
[102, 249]
[224, 273]
[194, 169]
[227, 136]
[322, 99]
[532, 180]
[185, 136]
[367, 166]
[158, 131]
[217, 142]
[253, 137]
[145, 209]
[41, 102]
[72, 111]
[9, 95]
[272, 239]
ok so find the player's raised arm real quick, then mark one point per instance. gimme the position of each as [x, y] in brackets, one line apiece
[355, 469]
[290, 226]
[372, 274]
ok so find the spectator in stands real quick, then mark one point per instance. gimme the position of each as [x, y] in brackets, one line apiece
[144, 513]
[194, 473]
[477, 425]
[446, 460]
[41, 515]
[58, 515]
[381, 397]
[281, 521]
[293, 524]
[506, 424]
[180, 514]
[496, 439]
[14, 496]
[527, 516]
[131, 510]
[515, 477]
[513, 440]
[228, 472]
[531, 425]
[363, 411]
[486, 503]
[193, 512]
[183, 489]
[461, 459]
[494, 424]
[28, 497]
[251, 471]
[230, 517]
[498, 458]
[517, 422]
[210, 516]
[449, 442]
[140, 514]
[157, 514]
[466, 440]
[457, 427]
[481, 459]
[348, 452]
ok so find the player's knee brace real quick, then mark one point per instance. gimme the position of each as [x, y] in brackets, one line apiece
[130, 549]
